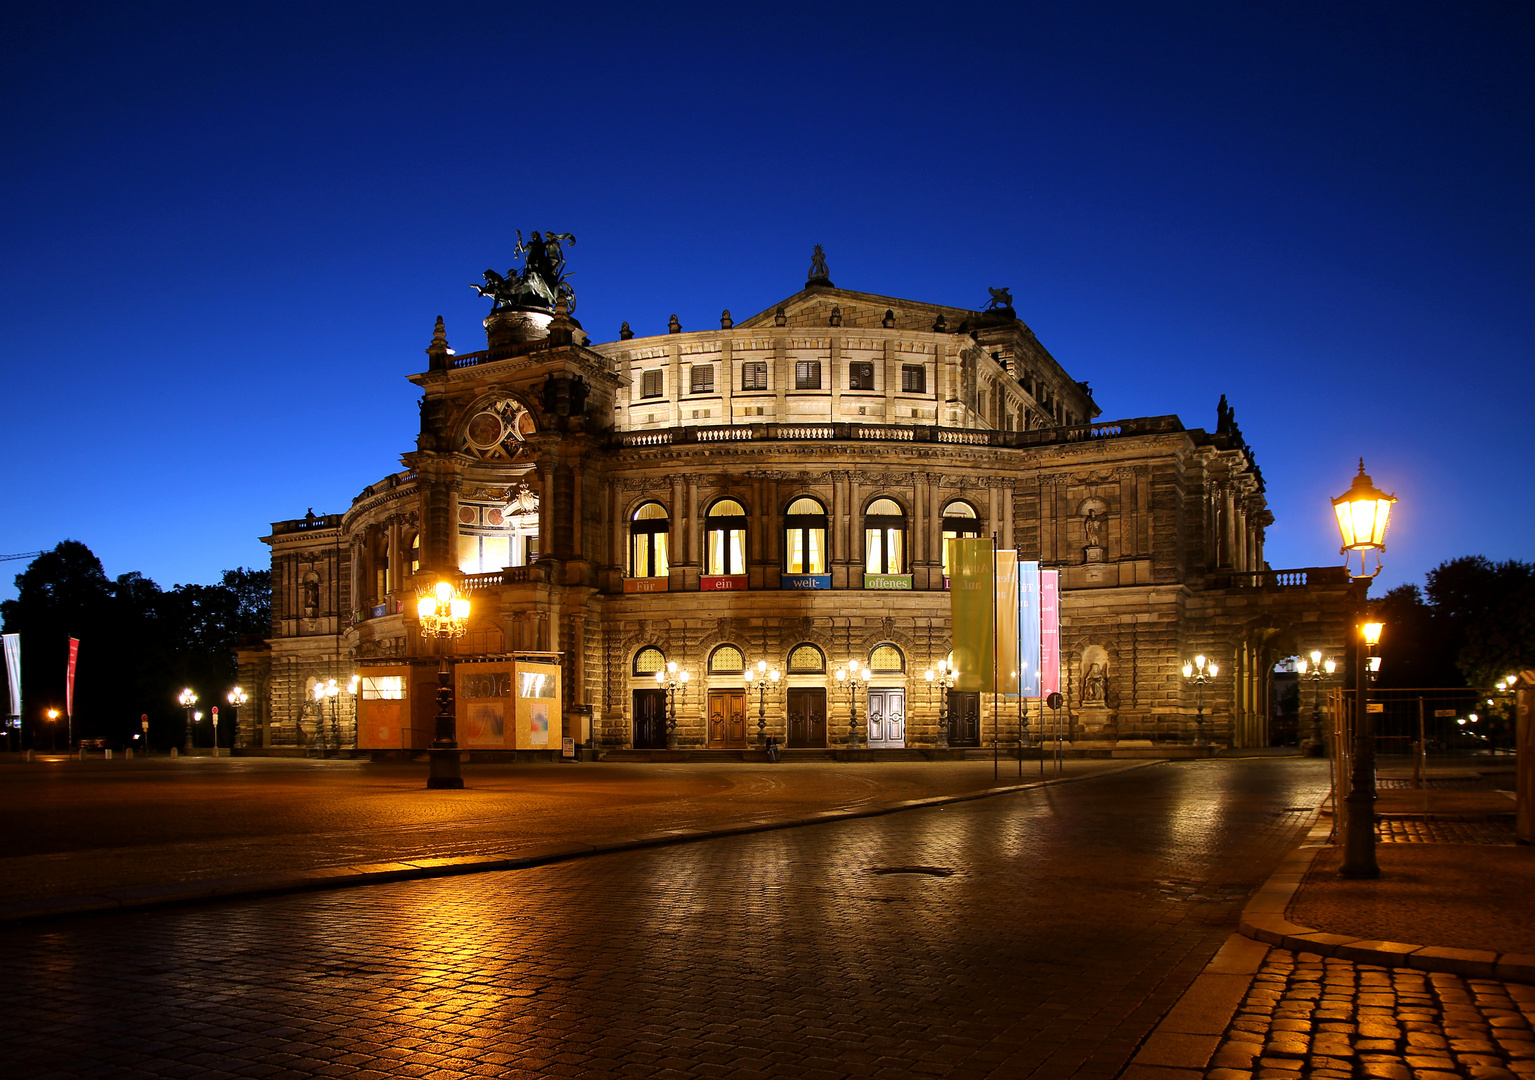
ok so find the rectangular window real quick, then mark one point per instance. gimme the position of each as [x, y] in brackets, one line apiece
[703, 378]
[383, 688]
[807, 374]
[651, 384]
[913, 379]
[754, 375]
[860, 376]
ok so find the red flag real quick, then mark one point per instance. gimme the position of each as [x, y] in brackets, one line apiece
[69, 683]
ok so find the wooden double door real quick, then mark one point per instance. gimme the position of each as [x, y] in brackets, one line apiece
[807, 717]
[650, 719]
[887, 719]
[964, 718]
[727, 719]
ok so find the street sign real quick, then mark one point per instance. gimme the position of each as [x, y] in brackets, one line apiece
[1444, 712]
[1375, 706]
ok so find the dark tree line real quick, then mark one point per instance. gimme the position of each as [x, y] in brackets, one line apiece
[1471, 624]
[139, 644]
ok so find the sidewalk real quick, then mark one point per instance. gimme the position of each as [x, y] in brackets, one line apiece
[1427, 973]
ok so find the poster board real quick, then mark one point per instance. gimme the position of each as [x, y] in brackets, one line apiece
[484, 697]
[536, 690]
[383, 708]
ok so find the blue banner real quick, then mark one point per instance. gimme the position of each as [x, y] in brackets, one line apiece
[1028, 626]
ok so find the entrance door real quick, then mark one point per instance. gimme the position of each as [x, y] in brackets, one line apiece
[887, 719]
[727, 719]
[964, 718]
[650, 719]
[807, 717]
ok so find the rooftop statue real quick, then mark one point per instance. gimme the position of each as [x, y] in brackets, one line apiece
[541, 281]
[1000, 298]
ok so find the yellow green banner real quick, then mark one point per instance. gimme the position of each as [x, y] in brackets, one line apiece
[972, 591]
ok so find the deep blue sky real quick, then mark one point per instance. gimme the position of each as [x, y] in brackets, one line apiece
[226, 231]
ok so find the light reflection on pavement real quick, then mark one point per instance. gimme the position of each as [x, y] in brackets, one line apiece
[1073, 918]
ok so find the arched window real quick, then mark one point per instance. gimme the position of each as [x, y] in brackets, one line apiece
[415, 553]
[959, 520]
[806, 660]
[647, 541]
[725, 538]
[884, 538]
[887, 660]
[805, 537]
[648, 661]
[726, 660]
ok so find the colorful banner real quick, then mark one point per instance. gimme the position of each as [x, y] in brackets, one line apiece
[972, 590]
[1007, 623]
[1028, 626]
[1050, 632]
[69, 681]
[13, 672]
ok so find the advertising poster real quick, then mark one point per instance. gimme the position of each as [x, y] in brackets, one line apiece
[1049, 632]
[383, 718]
[484, 705]
[1028, 626]
[537, 687]
[972, 590]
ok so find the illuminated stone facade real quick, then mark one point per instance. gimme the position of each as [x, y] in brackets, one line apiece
[779, 489]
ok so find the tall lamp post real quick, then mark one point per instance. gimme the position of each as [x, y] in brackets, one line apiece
[188, 698]
[1315, 670]
[849, 677]
[942, 680]
[444, 615]
[672, 678]
[1363, 512]
[53, 728]
[1200, 671]
[762, 676]
[236, 698]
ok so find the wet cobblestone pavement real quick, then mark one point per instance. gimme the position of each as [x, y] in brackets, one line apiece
[1071, 920]
[1306, 1016]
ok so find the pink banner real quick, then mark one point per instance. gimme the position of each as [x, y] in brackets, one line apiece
[1050, 632]
[69, 682]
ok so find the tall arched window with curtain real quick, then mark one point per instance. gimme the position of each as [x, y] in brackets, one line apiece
[959, 520]
[647, 541]
[884, 533]
[725, 538]
[805, 537]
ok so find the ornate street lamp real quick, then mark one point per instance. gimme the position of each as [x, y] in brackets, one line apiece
[1200, 671]
[1363, 512]
[236, 698]
[1315, 670]
[671, 678]
[188, 698]
[762, 676]
[444, 615]
[942, 680]
[323, 692]
[848, 678]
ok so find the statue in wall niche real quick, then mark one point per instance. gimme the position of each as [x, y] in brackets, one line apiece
[1092, 528]
[1095, 684]
[311, 599]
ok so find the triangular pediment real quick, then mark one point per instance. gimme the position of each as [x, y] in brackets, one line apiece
[815, 307]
